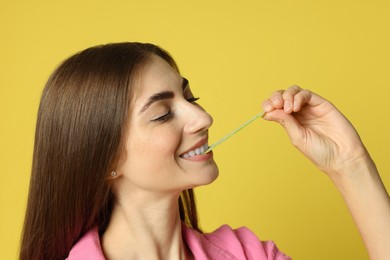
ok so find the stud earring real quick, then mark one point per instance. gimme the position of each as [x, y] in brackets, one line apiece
[113, 174]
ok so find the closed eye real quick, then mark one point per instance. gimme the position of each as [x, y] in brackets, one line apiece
[164, 117]
[169, 114]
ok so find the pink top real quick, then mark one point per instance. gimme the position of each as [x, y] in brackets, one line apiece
[224, 243]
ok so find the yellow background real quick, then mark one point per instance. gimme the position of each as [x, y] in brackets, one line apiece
[235, 53]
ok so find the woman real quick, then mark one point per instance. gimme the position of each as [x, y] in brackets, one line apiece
[119, 146]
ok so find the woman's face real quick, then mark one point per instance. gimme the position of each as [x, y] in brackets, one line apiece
[166, 130]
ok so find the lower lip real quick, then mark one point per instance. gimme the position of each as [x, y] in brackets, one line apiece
[200, 157]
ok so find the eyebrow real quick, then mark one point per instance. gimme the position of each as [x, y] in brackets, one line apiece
[163, 95]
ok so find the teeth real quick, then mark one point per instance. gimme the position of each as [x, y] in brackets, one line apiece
[197, 151]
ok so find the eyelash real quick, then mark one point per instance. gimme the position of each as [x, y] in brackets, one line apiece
[163, 118]
[193, 99]
[168, 115]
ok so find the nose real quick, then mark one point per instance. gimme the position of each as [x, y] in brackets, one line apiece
[197, 119]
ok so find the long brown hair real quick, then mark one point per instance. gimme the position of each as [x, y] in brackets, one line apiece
[79, 137]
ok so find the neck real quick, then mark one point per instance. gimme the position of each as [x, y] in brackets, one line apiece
[149, 223]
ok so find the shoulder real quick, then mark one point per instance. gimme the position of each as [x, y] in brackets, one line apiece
[87, 247]
[228, 243]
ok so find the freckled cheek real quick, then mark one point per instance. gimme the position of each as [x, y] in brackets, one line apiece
[164, 143]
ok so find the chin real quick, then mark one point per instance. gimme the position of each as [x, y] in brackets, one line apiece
[207, 177]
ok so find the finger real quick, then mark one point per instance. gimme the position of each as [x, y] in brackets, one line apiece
[276, 98]
[267, 106]
[300, 99]
[274, 102]
[288, 98]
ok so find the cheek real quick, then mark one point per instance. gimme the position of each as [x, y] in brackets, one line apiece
[151, 160]
[167, 144]
[164, 142]
[152, 151]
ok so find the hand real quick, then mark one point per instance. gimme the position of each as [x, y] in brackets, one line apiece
[326, 137]
[316, 128]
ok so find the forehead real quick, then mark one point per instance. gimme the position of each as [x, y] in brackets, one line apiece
[156, 76]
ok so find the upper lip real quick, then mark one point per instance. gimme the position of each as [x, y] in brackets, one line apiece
[197, 145]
